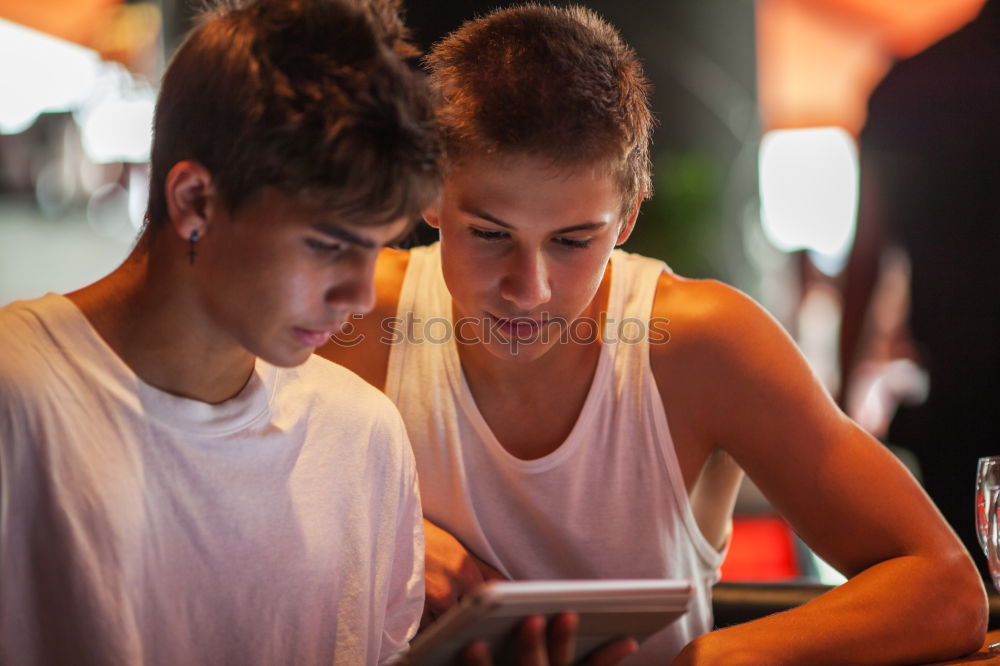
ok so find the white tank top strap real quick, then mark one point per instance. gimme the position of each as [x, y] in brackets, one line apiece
[422, 279]
[630, 303]
[635, 330]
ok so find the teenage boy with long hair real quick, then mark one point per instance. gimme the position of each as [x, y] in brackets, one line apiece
[182, 481]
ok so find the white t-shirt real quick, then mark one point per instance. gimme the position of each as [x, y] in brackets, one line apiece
[610, 502]
[136, 527]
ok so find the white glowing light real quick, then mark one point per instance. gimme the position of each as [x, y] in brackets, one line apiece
[39, 73]
[118, 129]
[44, 74]
[809, 190]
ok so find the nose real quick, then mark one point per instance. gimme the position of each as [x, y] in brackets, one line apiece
[526, 284]
[353, 287]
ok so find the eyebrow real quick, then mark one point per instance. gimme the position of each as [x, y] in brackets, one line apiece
[343, 234]
[584, 226]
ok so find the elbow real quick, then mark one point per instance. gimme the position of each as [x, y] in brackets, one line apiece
[967, 613]
[975, 618]
[970, 623]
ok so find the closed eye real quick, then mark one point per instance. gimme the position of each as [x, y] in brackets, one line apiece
[488, 234]
[572, 243]
[322, 247]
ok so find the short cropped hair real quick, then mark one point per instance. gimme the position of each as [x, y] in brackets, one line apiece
[313, 97]
[552, 82]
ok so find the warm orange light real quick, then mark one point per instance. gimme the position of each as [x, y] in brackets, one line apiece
[908, 26]
[71, 20]
[815, 69]
[819, 60]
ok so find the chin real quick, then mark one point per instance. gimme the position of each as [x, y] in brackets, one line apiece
[289, 358]
[519, 353]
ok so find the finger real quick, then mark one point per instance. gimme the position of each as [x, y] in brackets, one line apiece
[612, 653]
[476, 653]
[561, 638]
[531, 641]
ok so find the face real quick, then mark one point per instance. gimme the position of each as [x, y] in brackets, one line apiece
[281, 274]
[524, 249]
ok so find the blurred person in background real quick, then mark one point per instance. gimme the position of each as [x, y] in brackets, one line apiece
[921, 285]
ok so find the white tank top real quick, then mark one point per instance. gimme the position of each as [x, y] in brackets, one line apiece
[609, 502]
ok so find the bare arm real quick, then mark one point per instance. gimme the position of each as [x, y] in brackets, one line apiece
[913, 594]
[450, 571]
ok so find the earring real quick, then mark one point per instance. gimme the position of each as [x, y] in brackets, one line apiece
[192, 239]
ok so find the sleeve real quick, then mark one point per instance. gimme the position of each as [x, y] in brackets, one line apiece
[405, 601]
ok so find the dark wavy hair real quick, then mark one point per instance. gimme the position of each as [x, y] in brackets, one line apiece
[552, 82]
[312, 97]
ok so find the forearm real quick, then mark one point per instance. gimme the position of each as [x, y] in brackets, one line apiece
[902, 611]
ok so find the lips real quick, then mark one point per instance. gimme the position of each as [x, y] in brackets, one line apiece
[518, 327]
[313, 338]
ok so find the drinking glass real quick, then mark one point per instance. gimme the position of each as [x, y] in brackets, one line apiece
[987, 479]
[993, 545]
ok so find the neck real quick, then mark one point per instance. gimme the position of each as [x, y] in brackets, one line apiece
[148, 316]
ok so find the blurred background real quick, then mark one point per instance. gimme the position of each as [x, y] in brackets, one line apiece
[835, 159]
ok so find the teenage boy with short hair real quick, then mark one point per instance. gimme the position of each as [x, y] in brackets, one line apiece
[548, 451]
[182, 481]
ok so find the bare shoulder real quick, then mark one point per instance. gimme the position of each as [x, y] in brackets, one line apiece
[389, 273]
[700, 334]
[360, 346]
[715, 331]
[733, 368]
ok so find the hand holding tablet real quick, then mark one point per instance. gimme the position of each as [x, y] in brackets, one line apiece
[605, 610]
[539, 641]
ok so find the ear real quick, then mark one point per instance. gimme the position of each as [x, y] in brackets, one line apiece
[192, 200]
[432, 214]
[629, 224]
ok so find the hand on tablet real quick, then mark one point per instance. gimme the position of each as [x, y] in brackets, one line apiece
[539, 645]
[451, 571]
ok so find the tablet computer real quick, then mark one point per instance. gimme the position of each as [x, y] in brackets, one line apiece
[607, 609]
